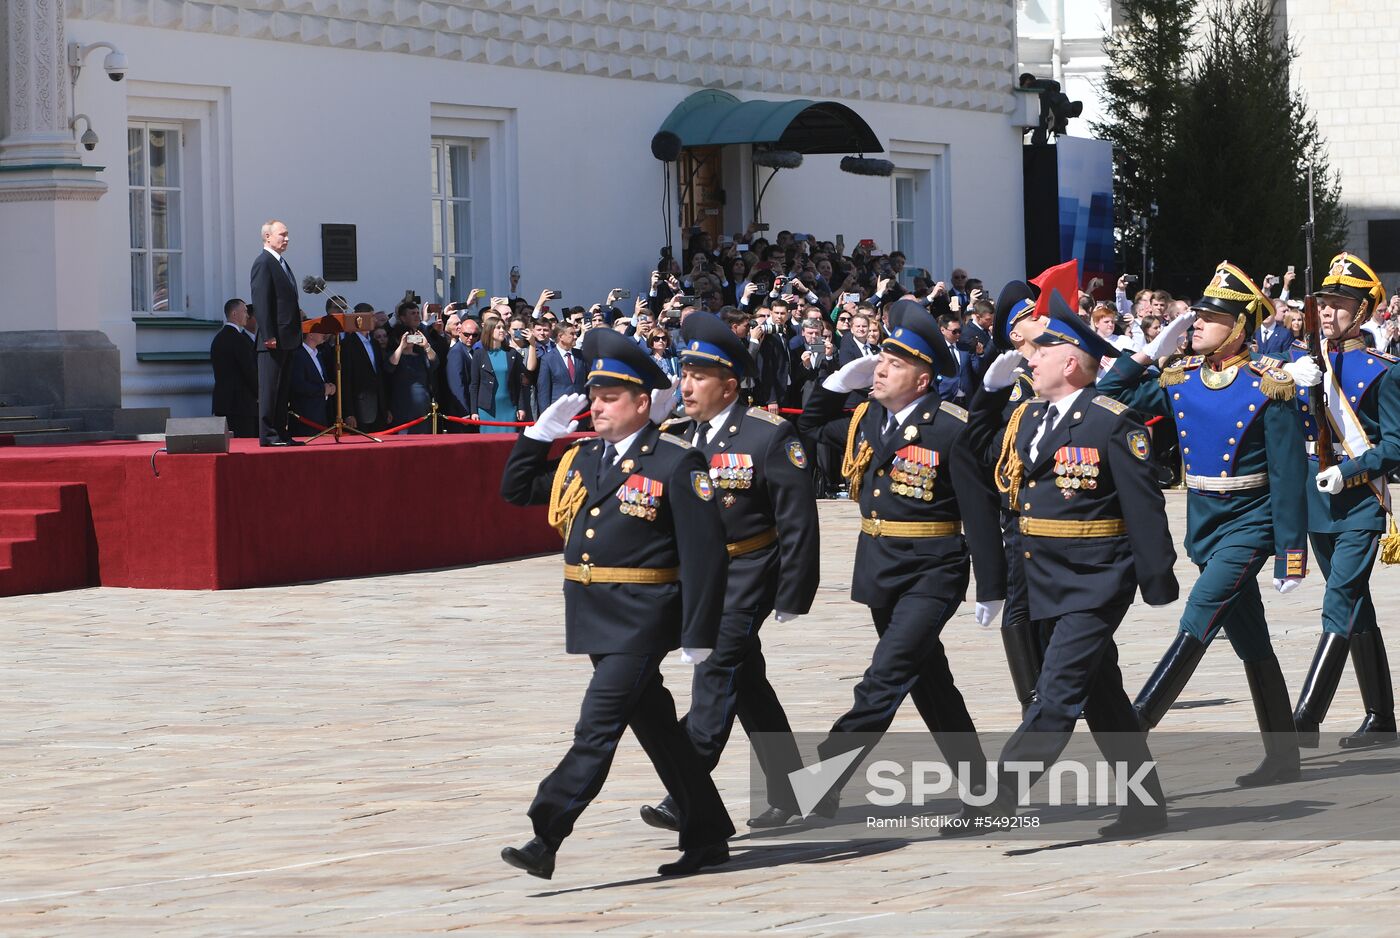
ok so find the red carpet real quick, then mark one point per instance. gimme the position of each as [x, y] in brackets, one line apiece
[258, 517]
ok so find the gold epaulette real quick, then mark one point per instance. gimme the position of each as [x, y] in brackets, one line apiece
[673, 422]
[1175, 373]
[1108, 403]
[953, 410]
[675, 441]
[1276, 383]
[762, 414]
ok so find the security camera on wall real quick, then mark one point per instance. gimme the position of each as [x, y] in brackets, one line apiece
[115, 65]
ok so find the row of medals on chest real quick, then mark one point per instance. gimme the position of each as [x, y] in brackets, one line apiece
[1071, 474]
[912, 478]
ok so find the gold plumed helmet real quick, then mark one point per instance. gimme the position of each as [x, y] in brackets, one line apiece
[1350, 276]
[1231, 292]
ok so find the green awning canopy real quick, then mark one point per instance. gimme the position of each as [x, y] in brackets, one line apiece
[716, 118]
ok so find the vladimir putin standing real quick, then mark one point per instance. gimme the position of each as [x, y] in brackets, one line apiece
[274, 289]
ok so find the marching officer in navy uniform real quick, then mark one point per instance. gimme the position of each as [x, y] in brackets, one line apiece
[925, 505]
[1349, 501]
[1015, 329]
[644, 570]
[763, 484]
[1093, 532]
[1245, 473]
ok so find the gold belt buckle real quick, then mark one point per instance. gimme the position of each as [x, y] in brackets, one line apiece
[585, 573]
[875, 523]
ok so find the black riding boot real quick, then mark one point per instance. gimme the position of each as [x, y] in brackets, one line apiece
[1373, 677]
[1022, 643]
[1271, 708]
[1328, 663]
[1168, 681]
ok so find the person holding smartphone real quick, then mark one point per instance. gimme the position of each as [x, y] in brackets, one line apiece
[411, 369]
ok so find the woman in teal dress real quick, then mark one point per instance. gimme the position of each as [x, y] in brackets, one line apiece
[498, 377]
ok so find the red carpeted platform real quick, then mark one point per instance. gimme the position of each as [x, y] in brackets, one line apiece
[258, 517]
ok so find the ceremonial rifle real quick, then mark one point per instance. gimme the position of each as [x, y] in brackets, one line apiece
[1313, 326]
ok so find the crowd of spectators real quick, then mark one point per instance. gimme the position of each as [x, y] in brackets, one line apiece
[806, 306]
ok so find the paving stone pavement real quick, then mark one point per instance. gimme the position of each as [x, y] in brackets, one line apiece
[348, 758]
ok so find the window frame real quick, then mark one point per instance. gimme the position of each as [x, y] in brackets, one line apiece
[181, 216]
[440, 147]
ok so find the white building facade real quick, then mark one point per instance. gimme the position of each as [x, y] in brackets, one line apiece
[459, 139]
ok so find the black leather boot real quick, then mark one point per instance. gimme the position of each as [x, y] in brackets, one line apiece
[1168, 680]
[1328, 662]
[1022, 643]
[1377, 694]
[1271, 708]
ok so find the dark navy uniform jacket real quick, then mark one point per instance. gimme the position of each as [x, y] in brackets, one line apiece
[1070, 574]
[659, 474]
[888, 567]
[762, 479]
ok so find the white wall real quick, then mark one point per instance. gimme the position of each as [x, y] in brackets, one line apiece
[314, 134]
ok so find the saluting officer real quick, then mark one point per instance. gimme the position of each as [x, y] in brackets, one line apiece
[1245, 473]
[1015, 329]
[1348, 504]
[644, 571]
[1093, 531]
[924, 504]
[764, 487]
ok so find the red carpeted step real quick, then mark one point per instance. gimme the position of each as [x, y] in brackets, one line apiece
[44, 536]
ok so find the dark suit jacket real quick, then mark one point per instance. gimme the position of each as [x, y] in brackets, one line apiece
[235, 362]
[1277, 345]
[553, 381]
[685, 531]
[308, 390]
[276, 303]
[459, 380]
[485, 379]
[364, 394]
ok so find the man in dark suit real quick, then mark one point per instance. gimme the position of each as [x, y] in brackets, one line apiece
[279, 334]
[562, 368]
[956, 388]
[1094, 528]
[645, 571]
[233, 355]
[1273, 339]
[361, 371]
[770, 522]
[312, 386]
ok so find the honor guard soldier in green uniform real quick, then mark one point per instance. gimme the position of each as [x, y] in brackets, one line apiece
[925, 505]
[1094, 531]
[763, 484]
[644, 571]
[1245, 472]
[1016, 329]
[1347, 506]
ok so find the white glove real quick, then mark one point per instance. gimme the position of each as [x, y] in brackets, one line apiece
[1329, 480]
[557, 419]
[695, 655]
[663, 402]
[853, 376]
[1287, 584]
[987, 613]
[1170, 337]
[786, 616]
[1305, 372]
[1001, 373]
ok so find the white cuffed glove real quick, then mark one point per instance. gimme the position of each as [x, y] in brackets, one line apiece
[695, 655]
[557, 419]
[1001, 373]
[663, 402]
[1330, 481]
[786, 616]
[1305, 372]
[1170, 337]
[987, 613]
[853, 376]
[1287, 584]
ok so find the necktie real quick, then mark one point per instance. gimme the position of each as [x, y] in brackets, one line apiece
[891, 428]
[285, 268]
[605, 464]
[569, 360]
[1047, 424]
[702, 435]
